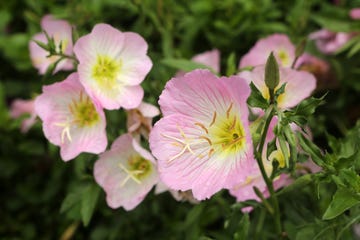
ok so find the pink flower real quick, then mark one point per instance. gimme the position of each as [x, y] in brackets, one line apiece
[355, 13]
[70, 119]
[319, 68]
[299, 85]
[203, 143]
[112, 66]
[177, 195]
[20, 107]
[329, 42]
[127, 173]
[139, 120]
[208, 58]
[279, 44]
[60, 30]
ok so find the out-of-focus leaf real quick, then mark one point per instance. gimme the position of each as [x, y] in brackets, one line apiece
[342, 200]
[88, 202]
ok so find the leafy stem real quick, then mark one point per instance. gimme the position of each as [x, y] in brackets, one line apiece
[258, 155]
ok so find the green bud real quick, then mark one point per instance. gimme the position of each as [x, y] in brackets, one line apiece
[272, 75]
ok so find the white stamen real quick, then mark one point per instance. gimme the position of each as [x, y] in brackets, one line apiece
[66, 130]
[131, 175]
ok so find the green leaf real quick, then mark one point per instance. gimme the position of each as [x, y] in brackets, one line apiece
[342, 200]
[88, 202]
[184, 64]
[70, 201]
[336, 25]
[272, 75]
[42, 45]
[313, 150]
[243, 230]
[231, 67]
[299, 183]
[308, 106]
[256, 99]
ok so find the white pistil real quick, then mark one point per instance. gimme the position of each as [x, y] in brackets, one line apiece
[130, 174]
[186, 146]
[66, 130]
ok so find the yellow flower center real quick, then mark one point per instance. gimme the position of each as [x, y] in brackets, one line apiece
[82, 114]
[83, 111]
[284, 58]
[224, 135]
[227, 133]
[105, 72]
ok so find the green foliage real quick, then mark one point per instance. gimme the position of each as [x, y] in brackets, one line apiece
[45, 198]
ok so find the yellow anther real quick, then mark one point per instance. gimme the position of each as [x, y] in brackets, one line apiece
[228, 111]
[213, 119]
[202, 126]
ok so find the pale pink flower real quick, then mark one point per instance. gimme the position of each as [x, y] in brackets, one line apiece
[127, 173]
[139, 120]
[70, 119]
[177, 195]
[355, 13]
[329, 42]
[209, 58]
[299, 85]
[60, 30]
[20, 107]
[279, 44]
[203, 142]
[112, 66]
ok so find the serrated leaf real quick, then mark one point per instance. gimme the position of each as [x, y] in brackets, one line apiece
[280, 90]
[342, 200]
[308, 106]
[88, 202]
[256, 99]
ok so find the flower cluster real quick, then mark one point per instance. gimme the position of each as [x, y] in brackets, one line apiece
[204, 141]
[110, 66]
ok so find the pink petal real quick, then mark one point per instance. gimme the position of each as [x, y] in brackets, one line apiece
[277, 43]
[209, 58]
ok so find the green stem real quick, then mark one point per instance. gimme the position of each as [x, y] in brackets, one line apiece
[65, 56]
[258, 155]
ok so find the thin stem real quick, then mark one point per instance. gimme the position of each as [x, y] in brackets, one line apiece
[294, 62]
[268, 181]
[64, 56]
